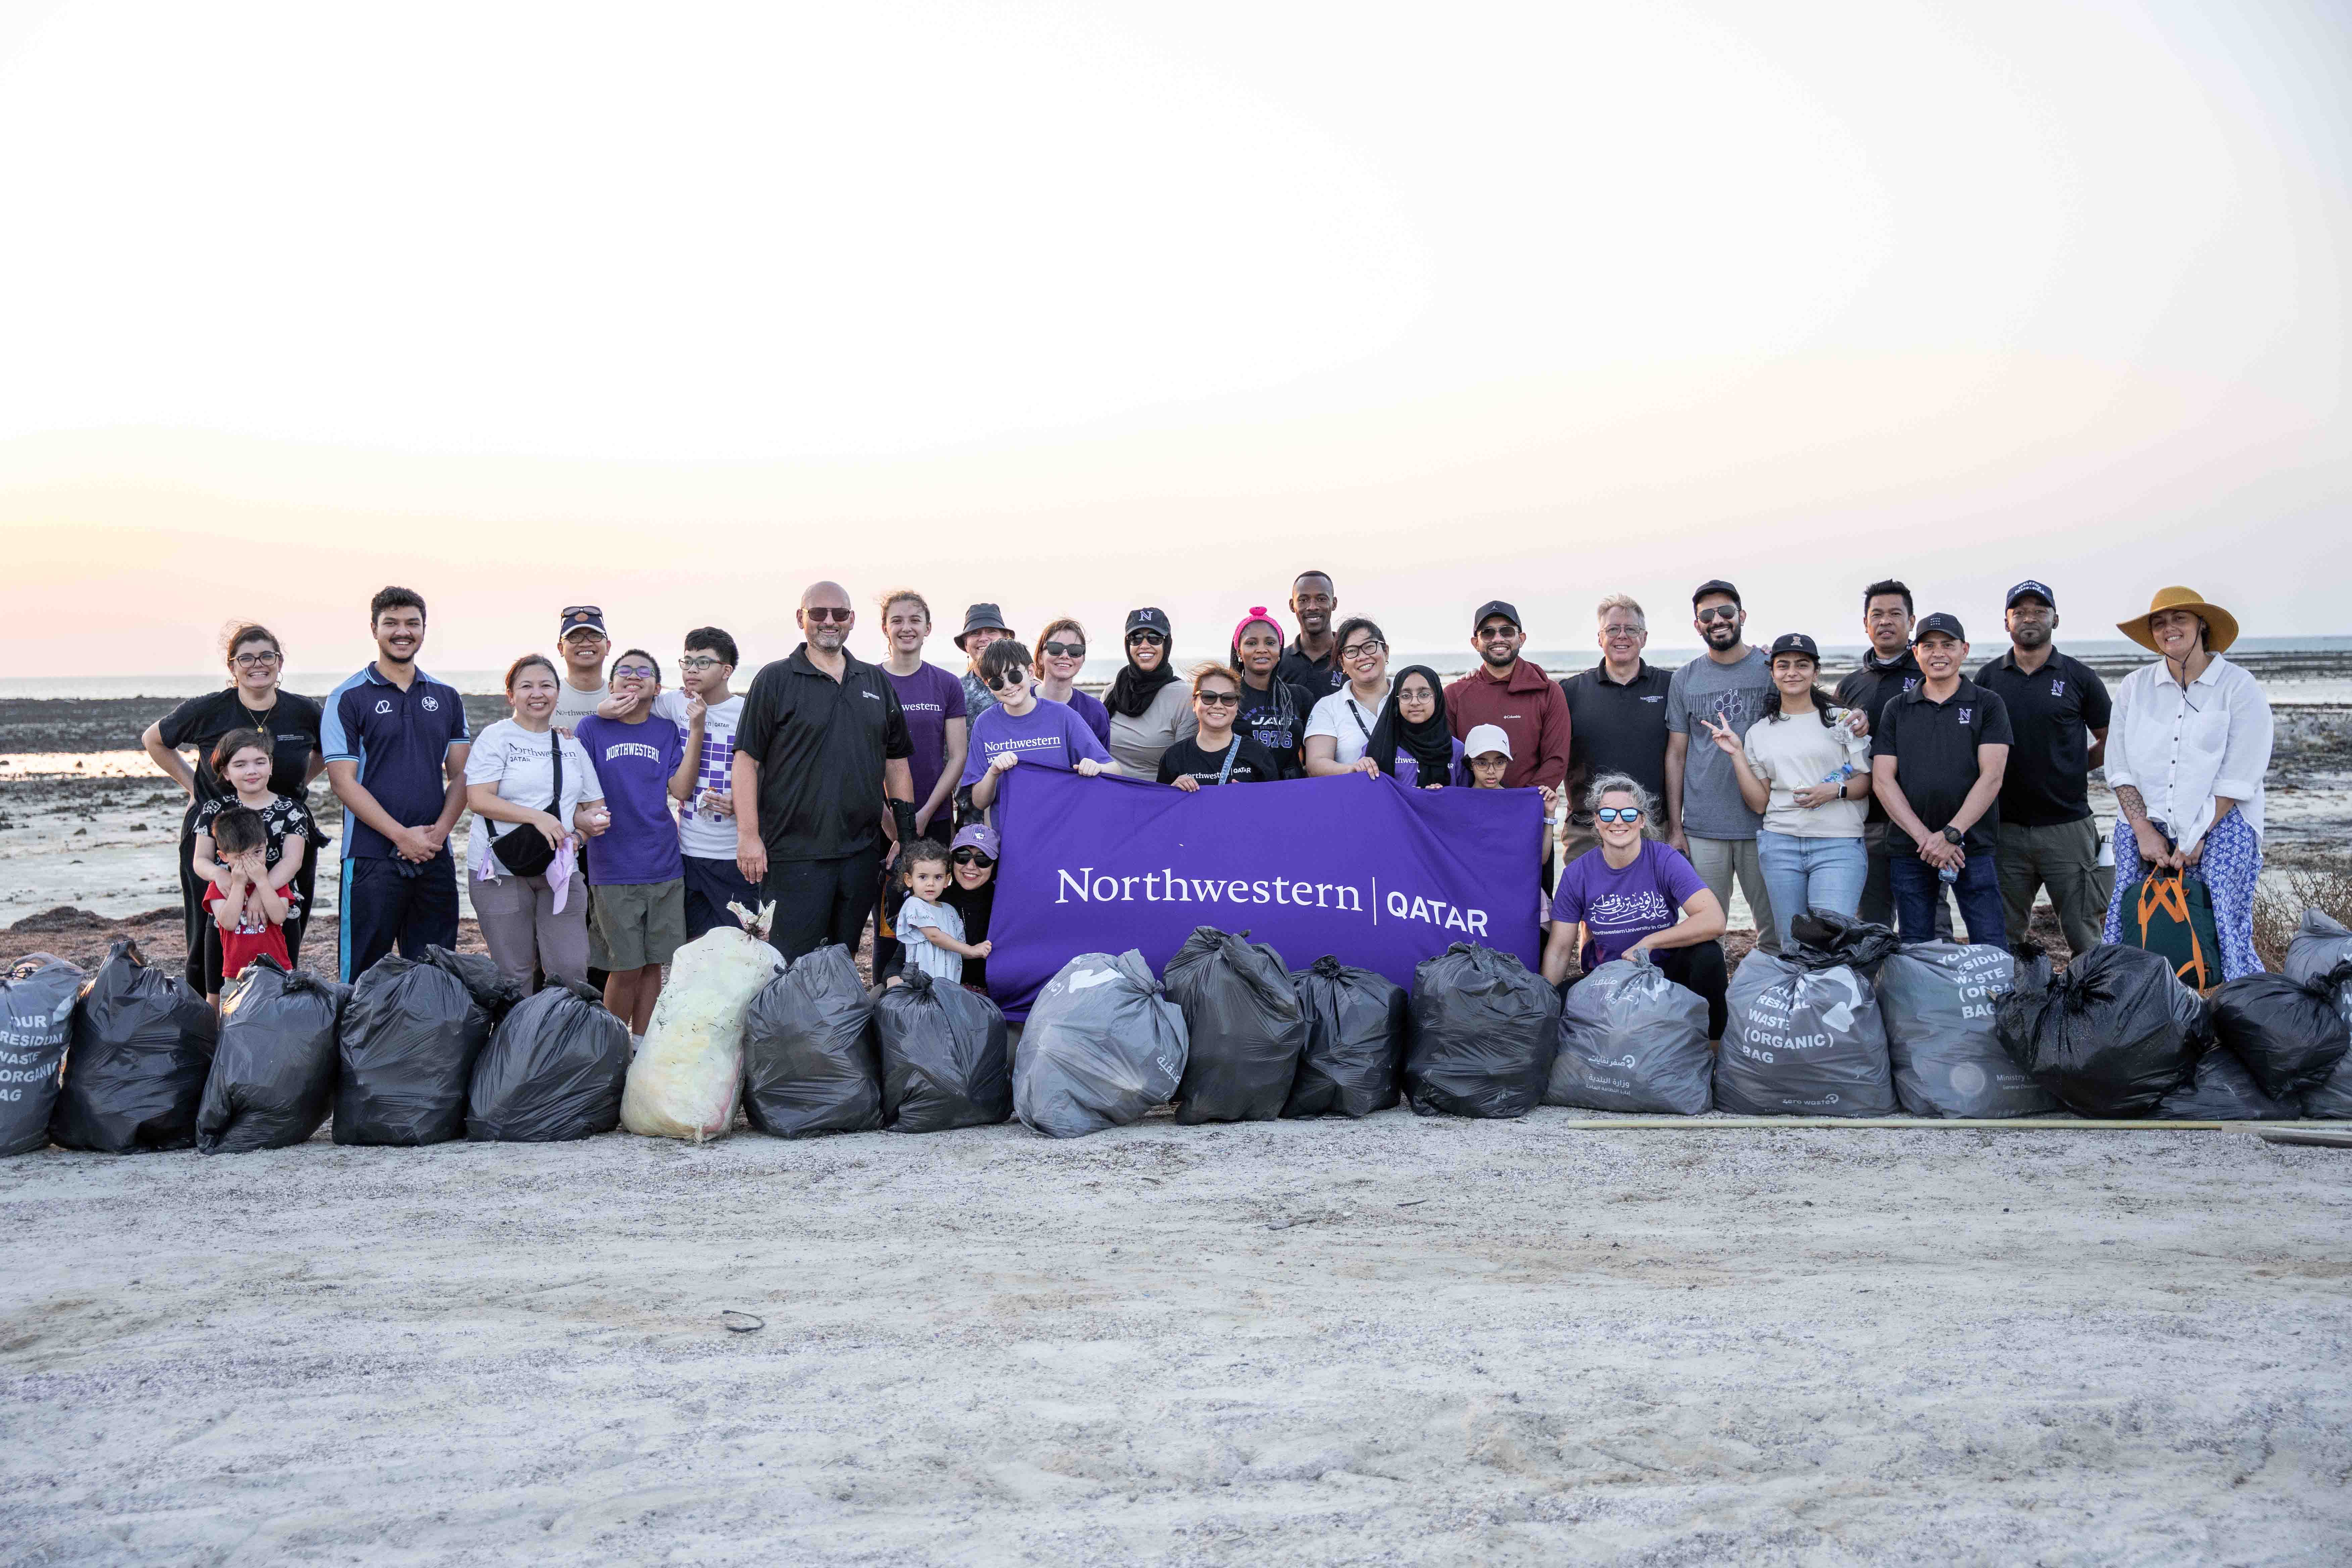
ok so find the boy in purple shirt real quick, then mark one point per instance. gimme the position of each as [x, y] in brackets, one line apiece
[1025, 727]
[1634, 896]
[636, 913]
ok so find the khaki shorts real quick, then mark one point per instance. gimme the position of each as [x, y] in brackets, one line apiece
[634, 924]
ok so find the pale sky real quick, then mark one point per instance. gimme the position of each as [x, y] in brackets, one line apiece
[1078, 307]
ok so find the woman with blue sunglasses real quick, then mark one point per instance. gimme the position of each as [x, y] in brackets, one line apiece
[1635, 896]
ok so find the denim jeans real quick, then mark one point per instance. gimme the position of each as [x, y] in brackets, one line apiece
[1803, 872]
[1919, 886]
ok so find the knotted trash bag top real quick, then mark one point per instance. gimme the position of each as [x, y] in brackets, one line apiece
[2221, 1089]
[688, 1074]
[409, 1037]
[553, 1071]
[273, 1077]
[809, 1062]
[141, 1047]
[2111, 1035]
[1243, 1028]
[1821, 939]
[483, 981]
[944, 1059]
[1483, 1034]
[1803, 1037]
[37, 1008]
[1939, 1000]
[1355, 1040]
[1102, 1046]
[2321, 954]
[1631, 1039]
[2288, 1034]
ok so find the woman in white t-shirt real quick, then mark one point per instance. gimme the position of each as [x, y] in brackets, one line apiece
[535, 924]
[1340, 730]
[1809, 773]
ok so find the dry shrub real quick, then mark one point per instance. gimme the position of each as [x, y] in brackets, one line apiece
[2279, 906]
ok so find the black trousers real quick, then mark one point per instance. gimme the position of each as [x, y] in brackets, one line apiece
[387, 904]
[821, 902]
[1699, 968]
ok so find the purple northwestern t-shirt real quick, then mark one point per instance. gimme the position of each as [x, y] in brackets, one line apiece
[635, 762]
[1049, 734]
[1621, 908]
[929, 697]
[1097, 716]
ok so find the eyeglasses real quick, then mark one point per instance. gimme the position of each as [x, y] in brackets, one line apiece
[1363, 650]
[255, 660]
[1018, 676]
[823, 613]
[637, 671]
[1062, 650]
[971, 857]
[1619, 813]
[1154, 639]
[698, 661]
[1218, 698]
[1719, 612]
[1623, 631]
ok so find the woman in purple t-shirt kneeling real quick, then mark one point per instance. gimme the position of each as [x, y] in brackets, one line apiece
[1636, 897]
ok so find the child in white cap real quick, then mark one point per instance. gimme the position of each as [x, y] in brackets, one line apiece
[1487, 750]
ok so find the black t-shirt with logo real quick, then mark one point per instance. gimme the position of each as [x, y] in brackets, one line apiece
[1252, 764]
[2052, 711]
[1617, 728]
[1283, 734]
[1320, 675]
[200, 722]
[1868, 689]
[821, 744]
[1934, 745]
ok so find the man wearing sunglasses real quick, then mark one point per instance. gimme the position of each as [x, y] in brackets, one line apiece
[822, 749]
[1024, 728]
[581, 639]
[1706, 816]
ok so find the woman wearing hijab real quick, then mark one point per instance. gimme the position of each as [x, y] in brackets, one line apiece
[1151, 709]
[1273, 711]
[1412, 743]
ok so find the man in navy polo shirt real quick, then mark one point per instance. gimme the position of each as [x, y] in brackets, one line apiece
[1937, 759]
[395, 741]
[2059, 708]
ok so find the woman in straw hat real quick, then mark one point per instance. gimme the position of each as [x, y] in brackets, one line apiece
[2187, 749]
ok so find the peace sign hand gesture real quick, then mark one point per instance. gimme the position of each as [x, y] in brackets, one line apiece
[1720, 731]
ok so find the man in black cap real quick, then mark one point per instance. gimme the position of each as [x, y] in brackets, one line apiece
[2058, 708]
[1938, 757]
[1708, 818]
[1517, 697]
[1312, 659]
[1887, 670]
[982, 624]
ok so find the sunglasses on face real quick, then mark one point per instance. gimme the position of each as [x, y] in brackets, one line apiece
[1619, 813]
[1218, 698]
[968, 857]
[1153, 638]
[1719, 612]
[1007, 681]
[1063, 649]
[823, 613]
[1489, 634]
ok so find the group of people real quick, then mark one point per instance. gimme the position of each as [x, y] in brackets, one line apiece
[619, 817]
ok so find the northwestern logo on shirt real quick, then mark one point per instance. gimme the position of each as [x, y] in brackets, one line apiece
[1656, 697]
[631, 749]
[869, 696]
[2057, 688]
[1027, 744]
[919, 707]
[1964, 715]
[1909, 681]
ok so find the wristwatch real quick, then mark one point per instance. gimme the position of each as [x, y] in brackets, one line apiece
[1955, 835]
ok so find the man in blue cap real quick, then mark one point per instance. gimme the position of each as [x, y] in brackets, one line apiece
[2058, 713]
[1937, 756]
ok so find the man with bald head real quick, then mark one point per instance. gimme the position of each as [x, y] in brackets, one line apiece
[821, 748]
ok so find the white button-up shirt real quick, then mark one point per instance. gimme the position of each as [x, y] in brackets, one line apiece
[2181, 749]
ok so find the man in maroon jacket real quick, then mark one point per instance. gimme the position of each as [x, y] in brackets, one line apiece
[1511, 693]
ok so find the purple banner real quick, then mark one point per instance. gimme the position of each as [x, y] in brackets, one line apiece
[1378, 875]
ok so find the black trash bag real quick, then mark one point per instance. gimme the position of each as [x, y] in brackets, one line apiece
[1244, 1025]
[408, 1044]
[36, 1007]
[2290, 1036]
[1937, 999]
[485, 982]
[273, 1077]
[553, 1071]
[945, 1062]
[1102, 1046]
[2111, 1035]
[2222, 1090]
[808, 1055]
[1484, 1031]
[1355, 1040]
[143, 1046]
[2321, 954]
[1631, 1039]
[1802, 1034]
[1821, 938]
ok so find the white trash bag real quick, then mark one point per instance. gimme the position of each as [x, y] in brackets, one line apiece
[685, 1079]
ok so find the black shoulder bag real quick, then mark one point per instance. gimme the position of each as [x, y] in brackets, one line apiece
[523, 848]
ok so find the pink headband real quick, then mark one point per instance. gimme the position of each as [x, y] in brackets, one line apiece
[1257, 613]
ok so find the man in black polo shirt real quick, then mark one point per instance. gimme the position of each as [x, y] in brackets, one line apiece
[2058, 708]
[1937, 761]
[1887, 671]
[1312, 659]
[820, 745]
[1616, 720]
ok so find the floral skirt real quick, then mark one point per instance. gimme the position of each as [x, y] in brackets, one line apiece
[2231, 865]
